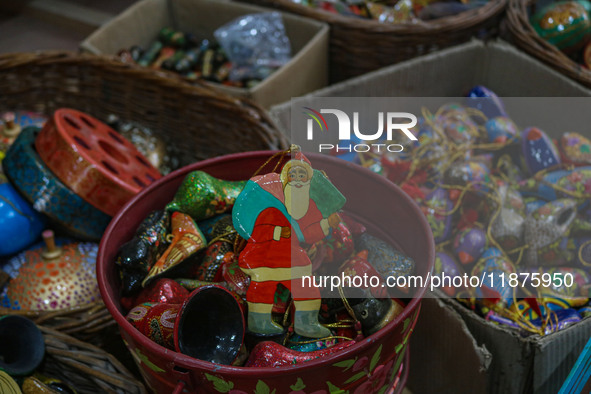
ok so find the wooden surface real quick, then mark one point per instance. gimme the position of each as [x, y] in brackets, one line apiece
[53, 24]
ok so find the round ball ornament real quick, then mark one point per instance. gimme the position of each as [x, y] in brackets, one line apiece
[564, 24]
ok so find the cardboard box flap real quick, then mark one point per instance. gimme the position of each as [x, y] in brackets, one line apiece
[452, 73]
[137, 25]
[440, 348]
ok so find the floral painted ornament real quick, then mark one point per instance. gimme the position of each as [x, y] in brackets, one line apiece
[303, 344]
[165, 291]
[501, 130]
[494, 269]
[52, 277]
[575, 149]
[202, 196]
[155, 321]
[187, 239]
[446, 264]
[457, 124]
[437, 208]
[469, 244]
[539, 152]
[572, 294]
[473, 174]
[356, 267]
[574, 183]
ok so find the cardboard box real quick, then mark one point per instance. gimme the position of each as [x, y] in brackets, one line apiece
[451, 73]
[453, 349]
[140, 24]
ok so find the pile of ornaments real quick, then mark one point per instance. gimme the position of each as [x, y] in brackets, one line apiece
[395, 12]
[507, 205]
[184, 287]
[242, 60]
[70, 173]
[566, 25]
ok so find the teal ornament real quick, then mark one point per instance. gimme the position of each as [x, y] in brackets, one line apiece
[206, 226]
[47, 194]
[305, 344]
[564, 24]
[501, 130]
[494, 272]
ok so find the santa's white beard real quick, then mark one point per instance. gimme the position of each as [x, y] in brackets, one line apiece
[297, 199]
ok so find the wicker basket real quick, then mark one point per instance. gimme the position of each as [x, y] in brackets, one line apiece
[83, 322]
[86, 367]
[521, 33]
[358, 46]
[195, 121]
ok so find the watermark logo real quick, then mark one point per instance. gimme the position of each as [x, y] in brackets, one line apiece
[318, 118]
[388, 123]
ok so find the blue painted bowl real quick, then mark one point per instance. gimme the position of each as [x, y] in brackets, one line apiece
[20, 225]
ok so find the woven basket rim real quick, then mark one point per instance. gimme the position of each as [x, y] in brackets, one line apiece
[161, 78]
[524, 36]
[463, 20]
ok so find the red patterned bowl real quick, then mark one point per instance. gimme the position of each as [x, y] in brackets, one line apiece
[93, 160]
[366, 367]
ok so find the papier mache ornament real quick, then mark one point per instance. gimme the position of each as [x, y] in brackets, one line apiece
[52, 277]
[186, 240]
[546, 233]
[136, 257]
[278, 214]
[202, 196]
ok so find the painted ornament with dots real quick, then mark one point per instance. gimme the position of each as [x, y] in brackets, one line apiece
[93, 160]
[52, 277]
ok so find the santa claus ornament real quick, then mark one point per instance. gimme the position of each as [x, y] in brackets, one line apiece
[279, 214]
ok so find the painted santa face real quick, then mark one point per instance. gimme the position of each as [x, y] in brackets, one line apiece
[297, 176]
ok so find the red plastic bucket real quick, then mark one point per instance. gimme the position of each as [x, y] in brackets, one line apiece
[365, 367]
